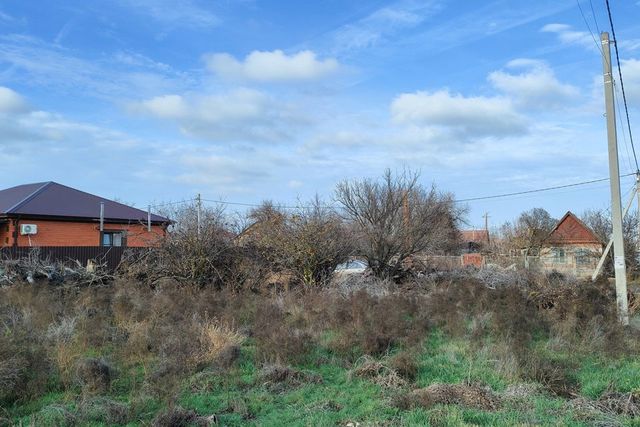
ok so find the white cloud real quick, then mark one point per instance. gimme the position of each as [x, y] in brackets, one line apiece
[6, 17]
[629, 45]
[185, 13]
[382, 23]
[165, 107]
[461, 117]
[31, 61]
[36, 133]
[240, 115]
[11, 102]
[272, 66]
[567, 35]
[135, 59]
[631, 75]
[225, 172]
[536, 87]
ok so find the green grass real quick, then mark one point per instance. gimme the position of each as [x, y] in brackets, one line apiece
[239, 398]
[597, 375]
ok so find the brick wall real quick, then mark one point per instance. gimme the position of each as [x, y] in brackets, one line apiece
[579, 260]
[65, 233]
[6, 230]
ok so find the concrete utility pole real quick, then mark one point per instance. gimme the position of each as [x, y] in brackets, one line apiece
[486, 224]
[638, 213]
[149, 218]
[614, 175]
[101, 217]
[199, 213]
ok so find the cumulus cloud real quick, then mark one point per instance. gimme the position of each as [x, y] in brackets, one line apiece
[631, 74]
[567, 35]
[226, 172]
[535, 87]
[274, 66]
[457, 115]
[240, 115]
[23, 128]
[11, 101]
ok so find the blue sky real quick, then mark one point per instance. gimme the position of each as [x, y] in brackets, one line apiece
[157, 100]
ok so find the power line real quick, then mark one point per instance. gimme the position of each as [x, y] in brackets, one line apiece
[624, 96]
[594, 17]
[624, 132]
[538, 190]
[471, 199]
[156, 205]
[584, 18]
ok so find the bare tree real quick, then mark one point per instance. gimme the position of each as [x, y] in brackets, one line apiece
[600, 223]
[199, 255]
[309, 241]
[195, 253]
[396, 217]
[529, 231]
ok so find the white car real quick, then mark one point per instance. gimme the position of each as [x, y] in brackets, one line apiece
[355, 266]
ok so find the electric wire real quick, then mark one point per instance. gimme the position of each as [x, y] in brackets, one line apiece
[584, 18]
[156, 205]
[624, 96]
[593, 13]
[538, 190]
[624, 133]
[470, 199]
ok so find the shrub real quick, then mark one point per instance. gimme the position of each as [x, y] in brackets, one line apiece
[103, 410]
[94, 375]
[309, 243]
[179, 417]
[218, 343]
[277, 377]
[362, 328]
[24, 366]
[405, 364]
[278, 341]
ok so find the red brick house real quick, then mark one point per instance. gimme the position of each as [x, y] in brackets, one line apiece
[571, 248]
[473, 244]
[474, 240]
[50, 214]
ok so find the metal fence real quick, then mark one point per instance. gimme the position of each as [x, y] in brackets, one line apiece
[69, 255]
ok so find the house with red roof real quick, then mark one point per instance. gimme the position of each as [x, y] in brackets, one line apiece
[50, 214]
[571, 248]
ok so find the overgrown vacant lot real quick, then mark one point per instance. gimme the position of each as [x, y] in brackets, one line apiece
[451, 350]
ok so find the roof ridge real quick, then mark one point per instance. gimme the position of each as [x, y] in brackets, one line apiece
[570, 214]
[29, 197]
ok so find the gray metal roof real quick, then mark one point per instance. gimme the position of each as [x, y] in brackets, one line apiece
[56, 200]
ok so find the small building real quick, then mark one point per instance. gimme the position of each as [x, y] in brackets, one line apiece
[49, 214]
[473, 244]
[474, 241]
[571, 248]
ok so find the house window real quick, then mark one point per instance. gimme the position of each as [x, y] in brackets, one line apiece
[583, 257]
[113, 238]
[558, 255]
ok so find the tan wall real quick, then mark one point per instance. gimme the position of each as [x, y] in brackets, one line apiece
[549, 262]
[66, 233]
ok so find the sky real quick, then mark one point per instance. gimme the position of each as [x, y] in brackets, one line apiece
[151, 101]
